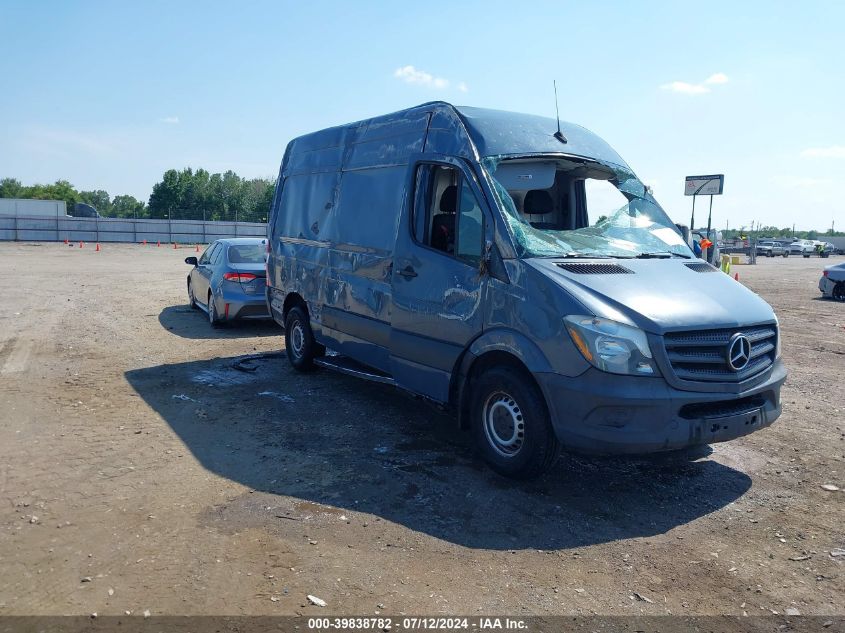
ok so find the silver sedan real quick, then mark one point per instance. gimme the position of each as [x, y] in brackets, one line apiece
[832, 283]
[228, 281]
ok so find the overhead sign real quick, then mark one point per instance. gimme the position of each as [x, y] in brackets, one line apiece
[704, 185]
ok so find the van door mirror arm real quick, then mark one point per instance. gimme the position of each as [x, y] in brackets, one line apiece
[491, 263]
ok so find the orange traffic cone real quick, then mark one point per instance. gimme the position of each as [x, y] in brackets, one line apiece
[97, 250]
[66, 242]
[197, 248]
[158, 244]
[736, 276]
[175, 246]
[80, 243]
[144, 242]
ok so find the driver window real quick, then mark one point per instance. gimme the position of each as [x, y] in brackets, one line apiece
[469, 227]
[447, 216]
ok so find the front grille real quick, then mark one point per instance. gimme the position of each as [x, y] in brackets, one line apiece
[596, 269]
[702, 355]
[722, 408]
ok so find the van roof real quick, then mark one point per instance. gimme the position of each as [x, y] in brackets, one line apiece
[497, 132]
[440, 127]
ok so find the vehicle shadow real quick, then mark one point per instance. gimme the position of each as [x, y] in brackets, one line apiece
[335, 440]
[187, 322]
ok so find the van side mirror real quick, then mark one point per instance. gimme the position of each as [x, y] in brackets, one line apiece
[191, 260]
[486, 257]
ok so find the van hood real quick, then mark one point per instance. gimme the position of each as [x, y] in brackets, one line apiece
[658, 295]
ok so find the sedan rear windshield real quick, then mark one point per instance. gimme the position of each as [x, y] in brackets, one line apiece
[246, 254]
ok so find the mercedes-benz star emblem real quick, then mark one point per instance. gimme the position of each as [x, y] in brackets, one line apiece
[739, 352]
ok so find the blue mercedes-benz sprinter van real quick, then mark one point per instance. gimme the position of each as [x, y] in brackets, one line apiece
[519, 274]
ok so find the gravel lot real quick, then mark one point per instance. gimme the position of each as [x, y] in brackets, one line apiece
[141, 471]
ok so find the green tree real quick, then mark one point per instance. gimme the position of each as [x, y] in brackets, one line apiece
[128, 207]
[166, 195]
[98, 199]
[11, 188]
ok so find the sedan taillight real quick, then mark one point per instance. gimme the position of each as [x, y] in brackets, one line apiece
[824, 273]
[239, 277]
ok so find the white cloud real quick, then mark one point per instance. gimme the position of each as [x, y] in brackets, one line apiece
[717, 78]
[413, 75]
[171, 120]
[684, 87]
[832, 151]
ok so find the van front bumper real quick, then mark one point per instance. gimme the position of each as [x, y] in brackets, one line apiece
[603, 413]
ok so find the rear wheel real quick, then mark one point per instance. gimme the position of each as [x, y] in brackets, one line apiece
[213, 318]
[786, 254]
[300, 345]
[839, 291]
[511, 424]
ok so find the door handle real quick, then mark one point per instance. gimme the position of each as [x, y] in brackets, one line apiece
[408, 272]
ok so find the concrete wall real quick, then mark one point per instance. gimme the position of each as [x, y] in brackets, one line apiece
[28, 208]
[57, 229]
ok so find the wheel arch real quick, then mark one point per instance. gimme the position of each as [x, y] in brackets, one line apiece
[494, 348]
[292, 300]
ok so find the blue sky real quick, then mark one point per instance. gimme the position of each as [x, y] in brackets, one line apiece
[110, 94]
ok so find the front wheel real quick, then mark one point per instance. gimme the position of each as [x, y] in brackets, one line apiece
[300, 345]
[511, 424]
[192, 300]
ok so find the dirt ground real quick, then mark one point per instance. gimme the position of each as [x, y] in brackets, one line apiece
[140, 471]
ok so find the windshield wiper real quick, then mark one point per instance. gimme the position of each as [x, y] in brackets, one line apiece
[660, 255]
[576, 255]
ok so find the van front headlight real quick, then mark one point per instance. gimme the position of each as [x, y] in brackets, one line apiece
[611, 346]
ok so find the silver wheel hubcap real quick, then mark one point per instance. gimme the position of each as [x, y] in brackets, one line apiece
[504, 424]
[297, 338]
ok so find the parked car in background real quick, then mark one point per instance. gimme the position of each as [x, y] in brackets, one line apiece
[228, 280]
[824, 249]
[802, 247]
[771, 248]
[832, 283]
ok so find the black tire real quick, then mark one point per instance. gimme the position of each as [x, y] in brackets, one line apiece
[806, 256]
[213, 317]
[506, 401]
[192, 300]
[300, 345]
[771, 253]
[786, 254]
[838, 293]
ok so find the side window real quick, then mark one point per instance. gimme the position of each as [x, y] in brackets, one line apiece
[217, 255]
[447, 216]
[206, 256]
[470, 232]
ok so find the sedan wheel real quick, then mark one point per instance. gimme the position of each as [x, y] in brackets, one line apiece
[839, 291]
[212, 312]
[192, 300]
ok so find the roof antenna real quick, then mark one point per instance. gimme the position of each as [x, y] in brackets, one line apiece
[558, 135]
